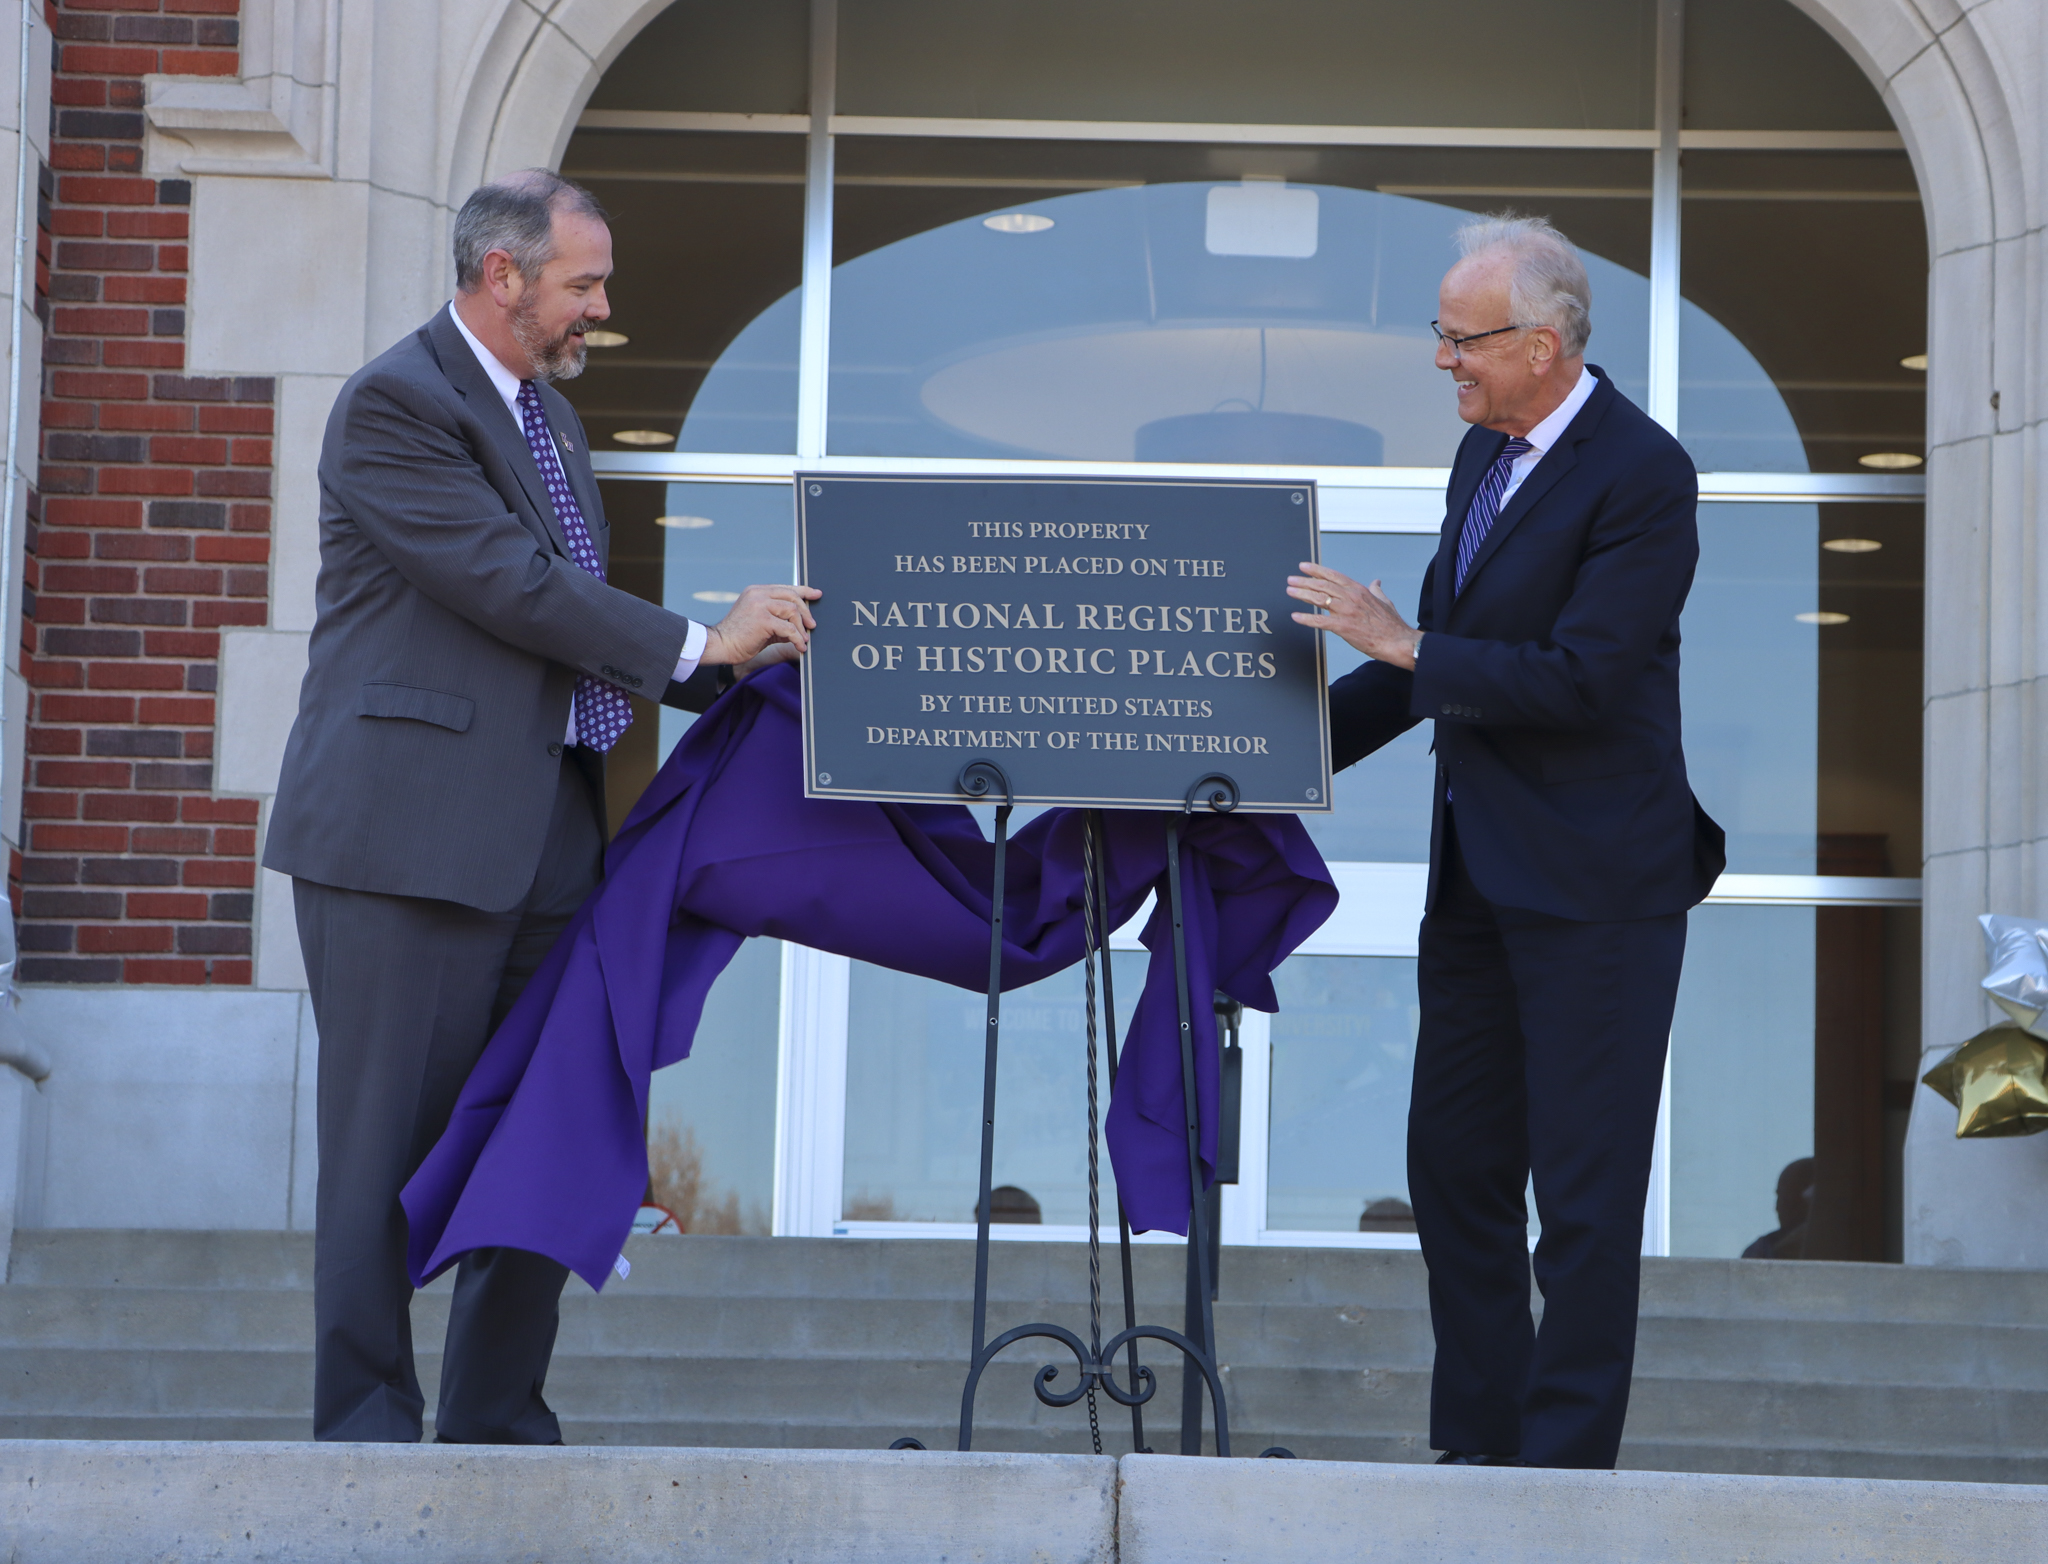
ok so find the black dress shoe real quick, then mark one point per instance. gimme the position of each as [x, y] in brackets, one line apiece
[1470, 1458]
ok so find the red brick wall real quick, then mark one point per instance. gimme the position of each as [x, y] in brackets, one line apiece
[152, 534]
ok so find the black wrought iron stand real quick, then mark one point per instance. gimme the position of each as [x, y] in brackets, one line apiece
[1230, 1110]
[1094, 1358]
[1199, 1316]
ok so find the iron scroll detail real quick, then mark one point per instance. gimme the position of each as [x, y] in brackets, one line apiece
[1094, 1358]
[978, 776]
[1222, 798]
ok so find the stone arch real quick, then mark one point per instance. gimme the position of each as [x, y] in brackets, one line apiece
[1949, 94]
[533, 70]
[1946, 85]
[534, 67]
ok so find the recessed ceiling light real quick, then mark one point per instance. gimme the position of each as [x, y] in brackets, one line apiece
[1834, 545]
[1913, 361]
[686, 522]
[606, 339]
[655, 437]
[716, 597]
[1891, 461]
[1820, 618]
[1017, 223]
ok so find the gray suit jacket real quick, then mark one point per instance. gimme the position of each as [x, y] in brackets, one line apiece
[451, 627]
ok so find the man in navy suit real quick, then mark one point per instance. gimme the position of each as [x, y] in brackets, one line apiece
[1565, 849]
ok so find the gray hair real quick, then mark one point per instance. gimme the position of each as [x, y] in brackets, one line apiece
[516, 214]
[1548, 285]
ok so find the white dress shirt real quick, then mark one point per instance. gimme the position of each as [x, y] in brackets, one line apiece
[1545, 434]
[508, 385]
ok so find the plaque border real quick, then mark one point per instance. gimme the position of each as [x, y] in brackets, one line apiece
[1197, 767]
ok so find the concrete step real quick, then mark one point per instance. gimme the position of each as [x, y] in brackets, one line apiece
[132, 1318]
[112, 1503]
[310, 1504]
[735, 1342]
[1161, 1433]
[1991, 1357]
[1845, 1461]
[1842, 1290]
[37, 1380]
[942, 1270]
[1318, 1512]
[1664, 1410]
[142, 1426]
[87, 1317]
[150, 1257]
[1898, 1418]
[682, 1400]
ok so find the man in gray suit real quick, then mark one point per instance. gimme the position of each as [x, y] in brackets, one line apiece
[440, 809]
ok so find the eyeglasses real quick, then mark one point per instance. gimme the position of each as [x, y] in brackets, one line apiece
[1457, 344]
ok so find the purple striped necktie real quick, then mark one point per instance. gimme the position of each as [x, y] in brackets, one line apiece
[1485, 509]
[602, 710]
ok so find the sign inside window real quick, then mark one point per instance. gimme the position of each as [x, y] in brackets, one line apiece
[1107, 642]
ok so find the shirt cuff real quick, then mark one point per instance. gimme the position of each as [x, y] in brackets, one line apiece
[693, 651]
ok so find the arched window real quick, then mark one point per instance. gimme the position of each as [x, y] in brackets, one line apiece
[1054, 236]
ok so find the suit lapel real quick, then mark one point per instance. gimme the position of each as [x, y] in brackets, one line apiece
[469, 379]
[1466, 474]
[1555, 463]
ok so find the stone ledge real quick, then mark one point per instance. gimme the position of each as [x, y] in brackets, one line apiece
[116, 1503]
[1324, 1512]
[64, 1502]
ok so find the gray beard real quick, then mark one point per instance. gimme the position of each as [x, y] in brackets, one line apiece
[560, 359]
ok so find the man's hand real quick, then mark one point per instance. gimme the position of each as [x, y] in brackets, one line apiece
[1363, 616]
[764, 616]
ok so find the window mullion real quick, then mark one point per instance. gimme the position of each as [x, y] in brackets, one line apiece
[1664, 215]
[815, 343]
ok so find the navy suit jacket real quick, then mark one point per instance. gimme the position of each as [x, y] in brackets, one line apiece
[1553, 677]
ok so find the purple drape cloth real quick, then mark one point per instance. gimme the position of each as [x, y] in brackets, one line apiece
[545, 1150]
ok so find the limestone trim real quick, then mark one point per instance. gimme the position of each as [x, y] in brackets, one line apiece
[528, 80]
[277, 120]
[1962, 81]
[20, 1052]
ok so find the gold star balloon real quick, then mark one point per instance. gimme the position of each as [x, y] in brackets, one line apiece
[1996, 1081]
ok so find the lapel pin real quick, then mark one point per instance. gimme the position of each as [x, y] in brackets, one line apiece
[567, 443]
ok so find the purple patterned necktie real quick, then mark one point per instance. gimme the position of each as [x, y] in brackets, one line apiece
[602, 711]
[1486, 504]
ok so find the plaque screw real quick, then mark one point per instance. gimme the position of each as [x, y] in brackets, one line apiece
[825, 780]
[1311, 795]
[1296, 496]
[816, 490]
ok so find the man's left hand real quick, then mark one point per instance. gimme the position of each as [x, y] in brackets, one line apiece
[1362, 615]
[764, 616]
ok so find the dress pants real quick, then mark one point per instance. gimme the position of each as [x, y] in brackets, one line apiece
[406, 992]
[1540, 1056]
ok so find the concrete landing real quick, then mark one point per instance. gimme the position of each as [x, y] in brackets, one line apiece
[99, 1502]
[96, 1502]
[1326, 1512]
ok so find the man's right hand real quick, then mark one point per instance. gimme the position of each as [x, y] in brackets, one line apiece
[763, 616]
